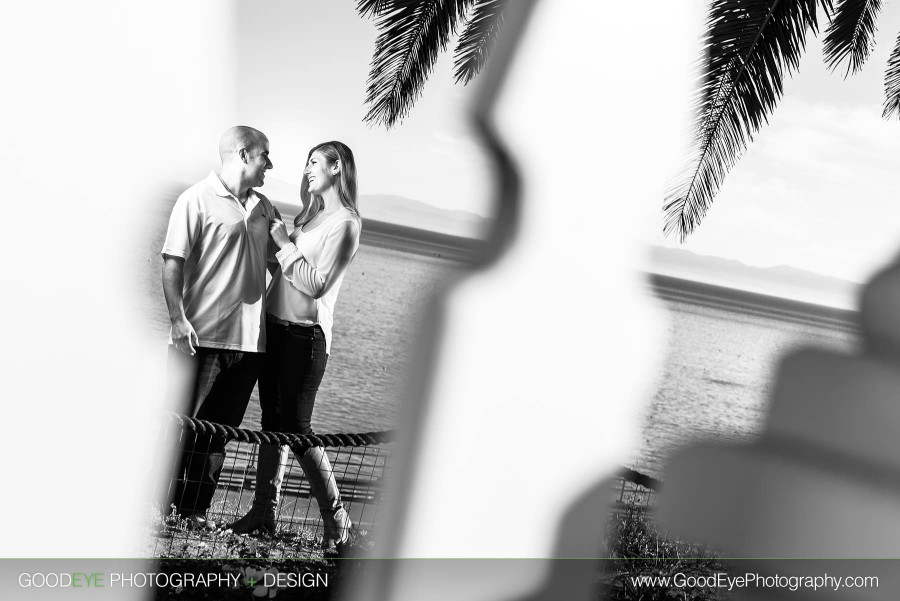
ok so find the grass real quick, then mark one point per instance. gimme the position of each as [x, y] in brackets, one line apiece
[638, 548]
[169, 537]
[294, 549]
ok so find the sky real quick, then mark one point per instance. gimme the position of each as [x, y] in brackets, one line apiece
[815, 190]
[303, 68]
[113, 97]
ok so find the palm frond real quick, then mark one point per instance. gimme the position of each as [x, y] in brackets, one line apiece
[750, 46]
[478, 39]
[371, 8]
[413, 33]
[892, 83]
[851, 34]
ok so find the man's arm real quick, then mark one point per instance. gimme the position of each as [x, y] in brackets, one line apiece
[183, 335]
[271, 260]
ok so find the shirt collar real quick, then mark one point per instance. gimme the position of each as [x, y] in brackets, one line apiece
[219, 188]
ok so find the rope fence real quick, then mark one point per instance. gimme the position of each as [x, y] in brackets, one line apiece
[638, 548]
[230, 433]
[632, 488]
[359, 462]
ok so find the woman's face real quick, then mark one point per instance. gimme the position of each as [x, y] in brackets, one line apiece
[319, 173]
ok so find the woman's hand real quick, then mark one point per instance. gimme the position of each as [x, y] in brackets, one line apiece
[279, 234]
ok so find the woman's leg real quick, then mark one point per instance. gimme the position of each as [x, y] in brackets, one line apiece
[302, 368]
[320, 474]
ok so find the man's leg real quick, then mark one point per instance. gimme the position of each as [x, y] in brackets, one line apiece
[191, 380]
[270, 459]
[269, 385]
[225, 381]
[182, 376]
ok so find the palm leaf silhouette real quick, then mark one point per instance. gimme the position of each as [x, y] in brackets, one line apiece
[851, 34]
[371, 8]
[478, 38]
[751, 45]
[892, 83]
[413, 33]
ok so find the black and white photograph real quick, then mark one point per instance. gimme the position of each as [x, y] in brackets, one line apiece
[477, 299]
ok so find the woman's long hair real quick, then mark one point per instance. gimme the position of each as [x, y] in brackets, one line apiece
[346, 182]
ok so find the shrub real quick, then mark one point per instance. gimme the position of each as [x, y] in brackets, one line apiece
[637, 548]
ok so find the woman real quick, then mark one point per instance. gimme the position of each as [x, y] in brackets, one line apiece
[300, 302]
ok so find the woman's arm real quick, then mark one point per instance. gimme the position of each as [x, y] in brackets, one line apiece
[339, 247]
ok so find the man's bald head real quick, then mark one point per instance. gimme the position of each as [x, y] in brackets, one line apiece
[245, 158]
[237, 138]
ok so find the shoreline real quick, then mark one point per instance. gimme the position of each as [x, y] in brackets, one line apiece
[420, 242]
[672, 289]
[665, 288]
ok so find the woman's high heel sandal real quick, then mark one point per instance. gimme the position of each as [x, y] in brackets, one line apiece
[324, 488]
[339, 533]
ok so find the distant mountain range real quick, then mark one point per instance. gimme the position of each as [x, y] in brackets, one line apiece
[395, 209]
[783, 281]
[452, 233]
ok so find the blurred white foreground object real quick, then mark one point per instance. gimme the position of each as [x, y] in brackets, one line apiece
[820, 484]
[544, 359]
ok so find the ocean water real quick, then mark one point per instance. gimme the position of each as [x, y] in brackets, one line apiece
[376, 318]
[717, 376]
[714, 383]
[375, 323]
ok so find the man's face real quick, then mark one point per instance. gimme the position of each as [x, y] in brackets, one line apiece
[258, 163]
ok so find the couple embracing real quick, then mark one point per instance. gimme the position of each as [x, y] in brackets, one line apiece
[229, 329]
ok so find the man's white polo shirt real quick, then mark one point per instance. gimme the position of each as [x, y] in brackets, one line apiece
[225, 246]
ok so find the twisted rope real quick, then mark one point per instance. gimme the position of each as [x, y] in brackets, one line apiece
[340, 439]
[359, 439]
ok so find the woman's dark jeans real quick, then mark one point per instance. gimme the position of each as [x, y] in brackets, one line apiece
[292, 369]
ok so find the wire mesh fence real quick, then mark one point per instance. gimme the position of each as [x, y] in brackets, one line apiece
[639, 549]
[359, 464]
[634, 489]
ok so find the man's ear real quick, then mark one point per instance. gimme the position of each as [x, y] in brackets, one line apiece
[244, 154]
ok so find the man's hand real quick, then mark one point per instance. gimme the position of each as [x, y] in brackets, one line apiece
[184, 337]
[279, 233]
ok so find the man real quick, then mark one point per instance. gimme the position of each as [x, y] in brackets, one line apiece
[214, 280]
